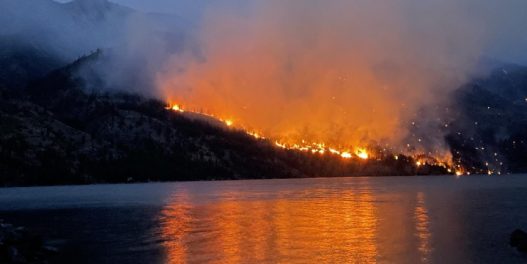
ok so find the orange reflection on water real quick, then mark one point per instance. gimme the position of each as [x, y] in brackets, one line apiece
[422, 226]
[324, 227]
[176, 220]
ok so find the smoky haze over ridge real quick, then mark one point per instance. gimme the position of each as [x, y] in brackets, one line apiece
[342, 72]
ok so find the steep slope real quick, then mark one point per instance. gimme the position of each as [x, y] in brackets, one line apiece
[489, 132]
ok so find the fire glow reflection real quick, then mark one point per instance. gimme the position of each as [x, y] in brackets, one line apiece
[316, 224]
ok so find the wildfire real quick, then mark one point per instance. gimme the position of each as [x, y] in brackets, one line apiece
[255, 135]
[175, 107]
[362, 153]
[280, 145]
[346, 155]
[229, 123]
[320, 148]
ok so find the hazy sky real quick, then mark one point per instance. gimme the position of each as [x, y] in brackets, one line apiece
[183, 8]
[509, 14]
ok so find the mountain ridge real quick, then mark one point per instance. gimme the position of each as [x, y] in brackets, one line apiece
[56, 132]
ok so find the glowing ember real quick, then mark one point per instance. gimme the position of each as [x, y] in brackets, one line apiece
[362, 153]
[280, 145]
[176, 108]
[346, 155]
[334, 151]
[255, 135]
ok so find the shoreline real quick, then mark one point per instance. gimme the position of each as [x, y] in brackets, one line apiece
[249, 179]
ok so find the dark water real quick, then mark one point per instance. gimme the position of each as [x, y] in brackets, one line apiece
[343, 220]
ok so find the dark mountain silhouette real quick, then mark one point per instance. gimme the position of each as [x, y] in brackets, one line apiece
[23, 61]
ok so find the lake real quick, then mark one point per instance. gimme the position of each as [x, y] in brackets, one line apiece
[439, 219]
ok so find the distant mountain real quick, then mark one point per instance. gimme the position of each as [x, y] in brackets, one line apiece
[96, 10]
[21, 62]
[37, 36]
[68, 30]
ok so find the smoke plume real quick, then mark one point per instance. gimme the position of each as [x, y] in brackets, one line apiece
[342, 72]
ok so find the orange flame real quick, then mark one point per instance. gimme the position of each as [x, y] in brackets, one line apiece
[362, 153]
[175, 107]
[317, 147]
[228, 122]
[346, 155]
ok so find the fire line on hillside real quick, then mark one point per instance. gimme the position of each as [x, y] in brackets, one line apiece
[359, 153]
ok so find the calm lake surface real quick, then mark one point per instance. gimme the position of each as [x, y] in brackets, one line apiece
[440, 219]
